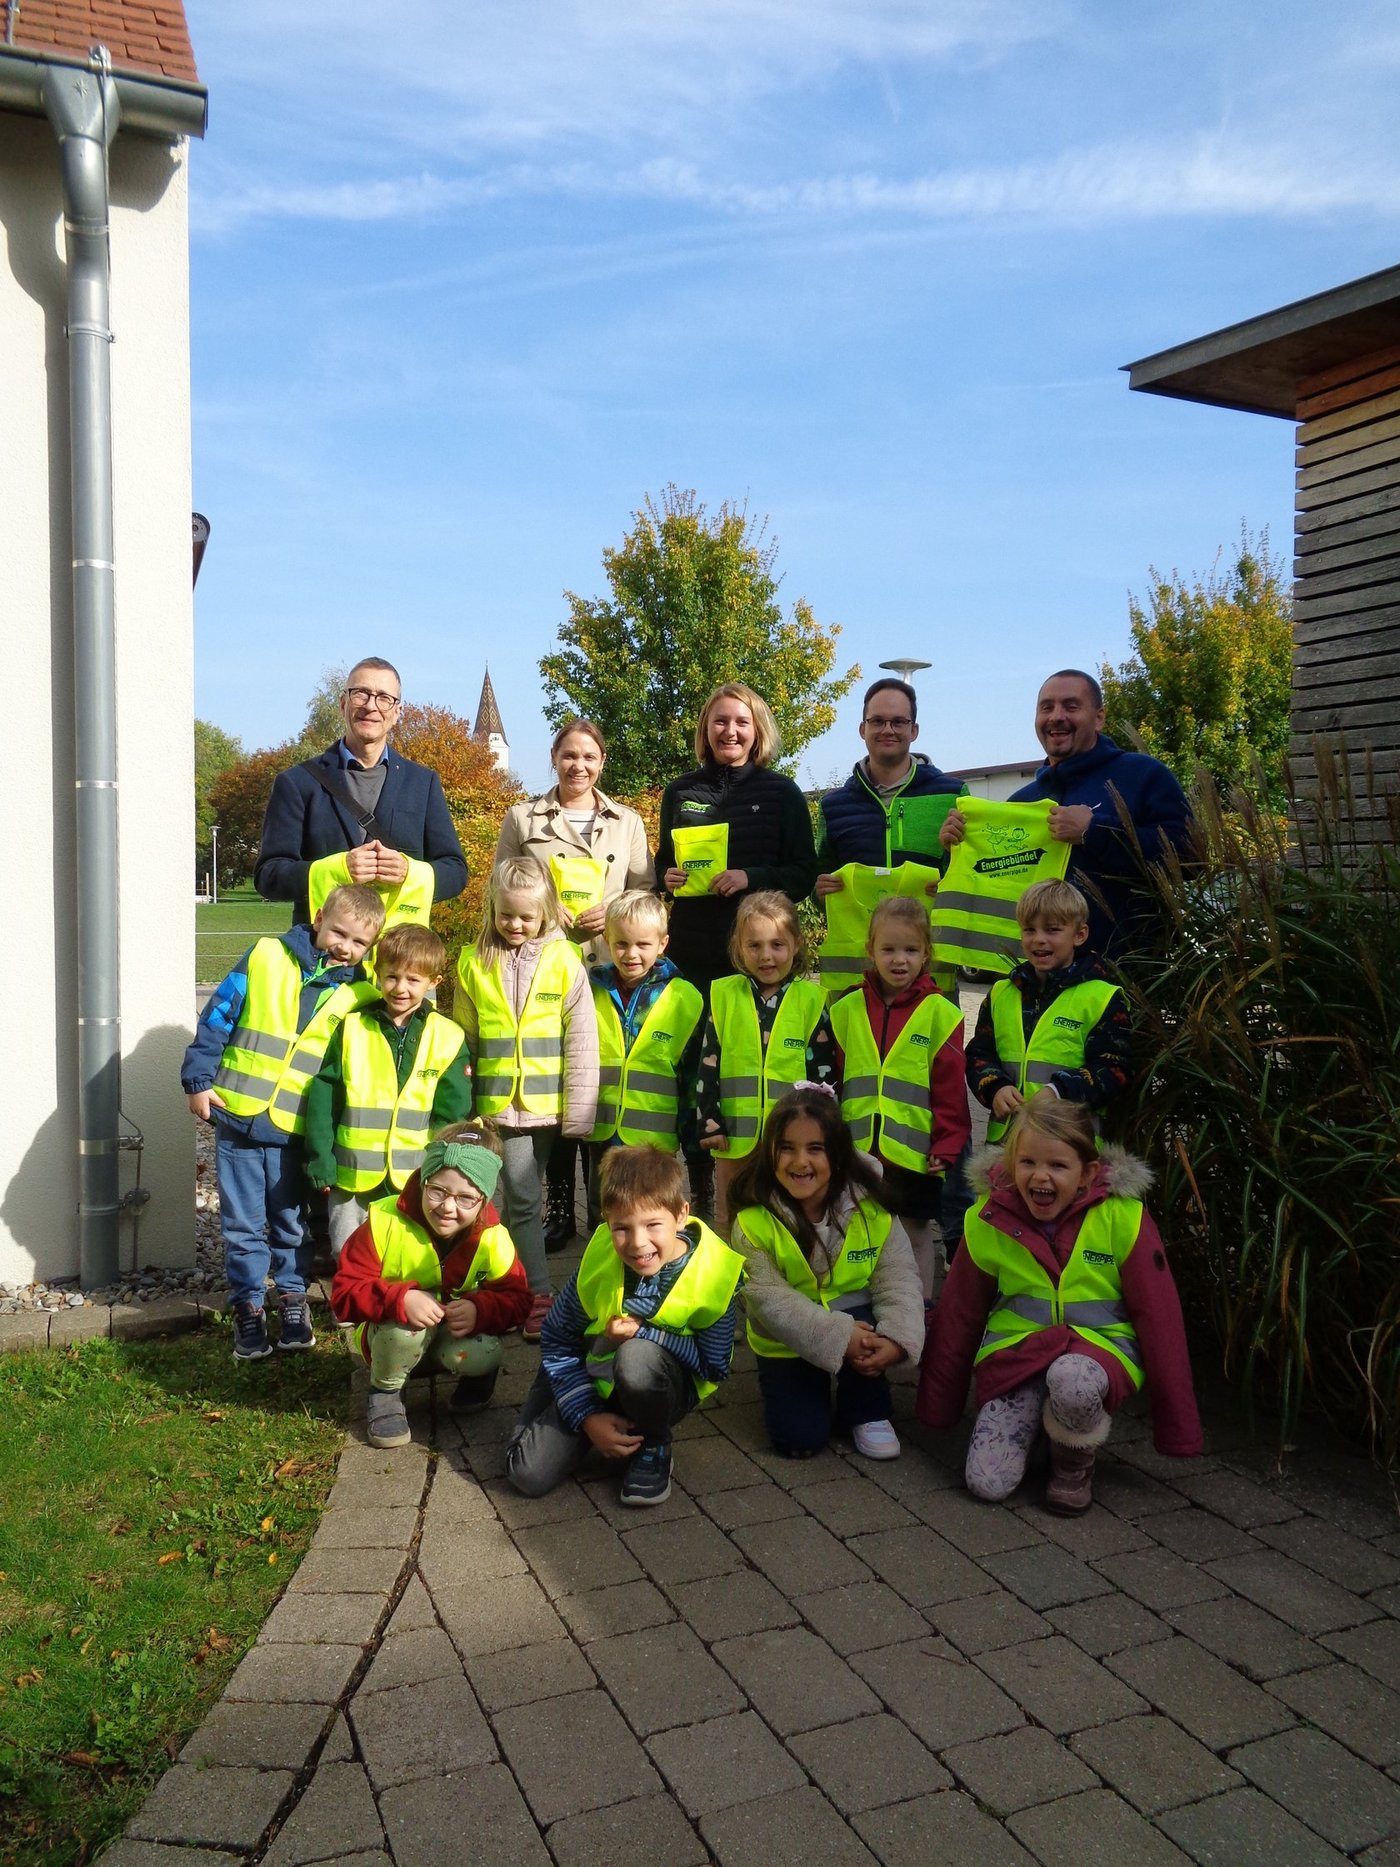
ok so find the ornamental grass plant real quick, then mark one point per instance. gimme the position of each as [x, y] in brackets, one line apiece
[1268, 1045]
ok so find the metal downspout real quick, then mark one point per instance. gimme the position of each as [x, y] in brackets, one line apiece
[84, 110]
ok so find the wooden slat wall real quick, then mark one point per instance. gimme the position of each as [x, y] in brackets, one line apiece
[1346, 569]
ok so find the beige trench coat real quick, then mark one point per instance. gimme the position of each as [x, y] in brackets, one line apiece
[540, 829]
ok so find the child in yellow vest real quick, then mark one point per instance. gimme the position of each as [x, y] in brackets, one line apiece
[431, 1280]
[767, 1028]
[649, 1024]
[395, 1071]
[524, 1003]
[1061, 1305]
[259, 1038]
[903, 1090]
[1058, 1021]
[833, 1288]
[642, 1333]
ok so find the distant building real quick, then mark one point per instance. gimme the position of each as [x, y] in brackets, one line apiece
[488, 730]
[998, 781]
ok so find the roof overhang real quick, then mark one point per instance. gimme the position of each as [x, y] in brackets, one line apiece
[154, 105]
[1257, 366]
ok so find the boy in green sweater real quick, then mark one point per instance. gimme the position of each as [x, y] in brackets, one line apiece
[394, 1072]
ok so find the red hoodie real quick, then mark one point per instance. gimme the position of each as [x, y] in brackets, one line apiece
[361, 1293]
[969, 1296]
[952, 1119]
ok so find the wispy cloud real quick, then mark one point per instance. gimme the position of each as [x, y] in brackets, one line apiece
[1109, 183]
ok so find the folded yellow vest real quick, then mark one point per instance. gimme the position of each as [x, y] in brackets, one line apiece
[1007, 848]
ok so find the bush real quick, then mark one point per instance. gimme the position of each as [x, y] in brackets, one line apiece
[1270, 1098]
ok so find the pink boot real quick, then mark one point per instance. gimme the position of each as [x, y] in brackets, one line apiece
[1070, 1491]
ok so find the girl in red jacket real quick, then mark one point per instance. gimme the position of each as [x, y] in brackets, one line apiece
[1064, 1305]
[904, 1093]
[432, 1279]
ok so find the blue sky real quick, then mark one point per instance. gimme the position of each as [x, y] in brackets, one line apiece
[470, 281]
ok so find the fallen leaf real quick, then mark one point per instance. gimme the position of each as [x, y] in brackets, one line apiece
[272, 1557]
[32, 1677]
[122, 1527]
[83, 1757]
[171, 1555]
[265, 1525]
[213, 1417]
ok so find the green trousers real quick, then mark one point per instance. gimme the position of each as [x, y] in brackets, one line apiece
[395, 1351]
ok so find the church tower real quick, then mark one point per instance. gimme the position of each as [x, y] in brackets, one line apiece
[488, 730]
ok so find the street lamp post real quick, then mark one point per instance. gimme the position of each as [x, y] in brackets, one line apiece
[214, 880]
[905, 668]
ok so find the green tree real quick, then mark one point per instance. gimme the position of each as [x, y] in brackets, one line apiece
[324, 721]
[694, 603]
[1208, 682]
[214, 751]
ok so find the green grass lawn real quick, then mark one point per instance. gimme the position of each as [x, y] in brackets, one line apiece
[222, 934]
[157, 1498]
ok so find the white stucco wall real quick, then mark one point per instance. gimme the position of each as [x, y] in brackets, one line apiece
[155, 652]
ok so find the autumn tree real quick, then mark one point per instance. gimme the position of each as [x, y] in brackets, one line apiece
[1208, 681]
[214, 751]
[693, 603]
[238, 797]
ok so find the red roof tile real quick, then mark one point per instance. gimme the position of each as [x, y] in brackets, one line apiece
[146, 36]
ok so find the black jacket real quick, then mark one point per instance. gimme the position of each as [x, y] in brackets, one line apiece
[303, 824]
[770, 839]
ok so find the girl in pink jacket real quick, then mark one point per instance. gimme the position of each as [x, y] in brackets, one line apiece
[1062, 1306]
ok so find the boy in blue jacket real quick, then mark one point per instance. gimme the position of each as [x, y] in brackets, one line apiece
[247, 1072]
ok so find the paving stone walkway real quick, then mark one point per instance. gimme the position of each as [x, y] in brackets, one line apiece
[825, 1662]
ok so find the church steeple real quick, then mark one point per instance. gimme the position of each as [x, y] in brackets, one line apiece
[488, 730]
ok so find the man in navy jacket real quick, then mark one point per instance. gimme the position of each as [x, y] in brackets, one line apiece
[1084, 776]
[304, 823]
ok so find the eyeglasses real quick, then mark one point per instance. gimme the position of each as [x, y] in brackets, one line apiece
[439, 1196]
[367, 697]
[883, 725]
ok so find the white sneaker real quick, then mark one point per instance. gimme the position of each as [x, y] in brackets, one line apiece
[875, 1439]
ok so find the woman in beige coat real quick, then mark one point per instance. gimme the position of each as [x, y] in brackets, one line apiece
[575, 818]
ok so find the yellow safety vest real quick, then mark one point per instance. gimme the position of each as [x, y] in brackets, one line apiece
[846, 1285]
[409, 1254]
[266, 1063]
[1088, 1299]
[750, 1079]
[383, 1129]
[699, 1297]
[639, 1090]
[579, 880]
[1007, 847]
[843, 962]
[702, 850]
[897, 1086]
[1057, 1042]
[408, 900]
[524, 1060]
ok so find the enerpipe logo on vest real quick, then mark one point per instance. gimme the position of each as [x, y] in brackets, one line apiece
[428, 1072]
[1069, 1024]
[662, 1037]
[548, 998]
[1008, 865]
[794, 1043]
[698, 862]
[701, 810]
[1097, 1257]
[915, 1038]
[859, 1257]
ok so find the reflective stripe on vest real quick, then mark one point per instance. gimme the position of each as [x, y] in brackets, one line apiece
[579, 881]
[1088, 1299]
[525, 1060]
[897, 1088]
[408, 1254]
[1057, 1041]
[383, 1129]
[842, 962]
[702, 850]
[699, 1296]
[846, 1284]
[750, 1080]
[639, 1092]
[265, 1056]
[1006, 848]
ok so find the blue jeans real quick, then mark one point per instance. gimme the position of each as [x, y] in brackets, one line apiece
[260, 1195]
[796, 1399]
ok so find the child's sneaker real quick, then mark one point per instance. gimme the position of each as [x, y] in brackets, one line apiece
[540, 1306]
[647, 1479]
[386, 1419]
[250, 1341]
[875, 1439]
[296, 1320]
